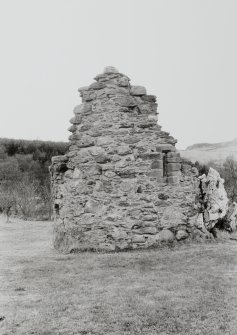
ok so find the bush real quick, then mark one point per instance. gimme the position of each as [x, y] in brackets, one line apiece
[24, 177]
[228, 171]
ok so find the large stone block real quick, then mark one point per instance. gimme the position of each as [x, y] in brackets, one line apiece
[72, 128]
[58, 159]
[173, 180]
[123, 81]
[165, 148]
[149, 98]
[147, 230]
[150, 156]
[97, 86]
[85, 141]
[156, 173]
[77, 119]
[173, 167]
[138, 239]
[181, 235]
[124, 150]
[82, 109]
[102, 158]
[157, 164]
[166, 236]
[174, 173]
[173, 217]
[92, 206]
[173, 160]
[138, 90]
[173, 155]
[110, 69]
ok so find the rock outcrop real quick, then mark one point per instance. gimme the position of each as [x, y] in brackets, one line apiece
[122, 183]
[211, 201]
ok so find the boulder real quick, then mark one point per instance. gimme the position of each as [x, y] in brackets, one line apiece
[165, 236]
[181, 235]
[213, 200]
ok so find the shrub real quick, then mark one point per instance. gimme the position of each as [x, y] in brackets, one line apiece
[24, 176]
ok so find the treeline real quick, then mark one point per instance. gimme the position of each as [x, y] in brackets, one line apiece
[24, 176]
[41, 150]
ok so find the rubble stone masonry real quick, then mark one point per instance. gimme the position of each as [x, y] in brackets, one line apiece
[122, 184]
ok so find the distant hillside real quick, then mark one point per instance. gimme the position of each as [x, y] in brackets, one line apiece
[205, 152]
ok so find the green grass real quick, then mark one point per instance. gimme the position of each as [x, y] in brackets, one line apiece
[191, 289]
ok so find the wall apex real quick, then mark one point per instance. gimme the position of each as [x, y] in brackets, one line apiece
[110, 69]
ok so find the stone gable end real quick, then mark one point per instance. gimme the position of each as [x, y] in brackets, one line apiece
[122, 184]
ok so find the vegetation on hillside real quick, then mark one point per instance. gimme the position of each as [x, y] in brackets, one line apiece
[24, 176]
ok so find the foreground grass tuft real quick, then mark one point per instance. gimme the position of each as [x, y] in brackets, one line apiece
[187, 290]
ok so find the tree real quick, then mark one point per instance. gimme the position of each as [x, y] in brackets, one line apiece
[26, 195]
[7, 201]
[229, 172]
[202, 168]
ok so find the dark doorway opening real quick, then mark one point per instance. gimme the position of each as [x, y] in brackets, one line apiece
[56, 207]
[165, 172]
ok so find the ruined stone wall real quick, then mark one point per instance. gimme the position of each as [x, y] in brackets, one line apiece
[121, 184]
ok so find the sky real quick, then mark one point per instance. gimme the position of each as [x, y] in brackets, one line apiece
[183, 51]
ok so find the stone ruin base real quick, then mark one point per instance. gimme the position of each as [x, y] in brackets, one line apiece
[165, 219]
[189, 210]
[122, 184]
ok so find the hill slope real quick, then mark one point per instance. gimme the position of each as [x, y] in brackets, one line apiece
[205, 152]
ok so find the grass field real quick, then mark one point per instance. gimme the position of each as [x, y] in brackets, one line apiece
[186, 290]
